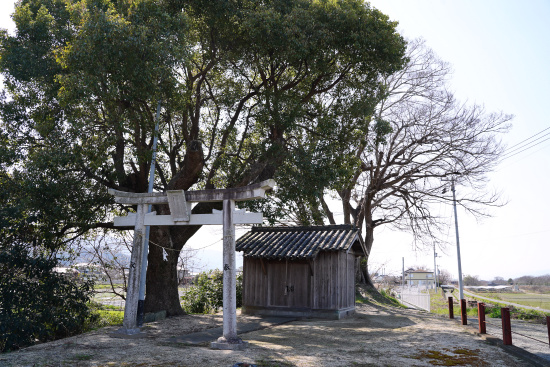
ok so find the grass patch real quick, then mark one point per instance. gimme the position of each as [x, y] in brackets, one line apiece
[492, 309]
[106, 286]
[110, 307]
[525, 299]
[106, 316]
[440, 306]
[451, 357]
[111, 318]
[365, 294]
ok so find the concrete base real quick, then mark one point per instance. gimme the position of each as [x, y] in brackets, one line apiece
[124, 333]
[299, 312]
[224, 344]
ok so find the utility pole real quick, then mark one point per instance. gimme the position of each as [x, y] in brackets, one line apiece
[141, 299]
[435, 268]
[403, 276]
[460, 285]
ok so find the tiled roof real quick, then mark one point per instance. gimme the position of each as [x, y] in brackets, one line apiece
[297, 242]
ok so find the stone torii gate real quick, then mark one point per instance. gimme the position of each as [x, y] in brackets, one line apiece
[179, 202]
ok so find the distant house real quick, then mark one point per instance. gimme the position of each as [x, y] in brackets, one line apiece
[89, 270]
[67, 271]
[300, 271]
[419, 278]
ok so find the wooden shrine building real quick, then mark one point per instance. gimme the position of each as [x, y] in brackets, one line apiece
[300, 271]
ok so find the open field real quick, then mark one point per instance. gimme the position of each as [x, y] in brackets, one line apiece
[526, 299]
[105, 296]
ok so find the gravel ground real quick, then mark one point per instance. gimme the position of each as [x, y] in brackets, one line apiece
[377, 335]
[526, 335]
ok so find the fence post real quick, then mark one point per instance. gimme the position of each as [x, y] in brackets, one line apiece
[548, 326]
[506, 326]
[481, 317]
[451, 313]
[463, 310]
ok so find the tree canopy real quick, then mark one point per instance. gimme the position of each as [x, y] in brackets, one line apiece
[414, 143]
[249, 90]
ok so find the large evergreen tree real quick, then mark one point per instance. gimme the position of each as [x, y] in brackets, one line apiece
[245, 89]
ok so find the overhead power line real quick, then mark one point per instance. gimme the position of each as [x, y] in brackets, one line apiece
[527, 148]
[510, 151]
[532, 136]
[526, 144]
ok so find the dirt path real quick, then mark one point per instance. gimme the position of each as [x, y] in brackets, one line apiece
[376, 336]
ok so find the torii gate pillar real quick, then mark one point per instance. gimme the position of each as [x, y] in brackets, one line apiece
[180, 215]
[229, 339]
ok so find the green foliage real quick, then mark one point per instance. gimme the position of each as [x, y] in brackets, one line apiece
[206, 293]
[493, 312]
[394, 301]
[366, 294]
[250, 90]
[107, 318]
[36, 303]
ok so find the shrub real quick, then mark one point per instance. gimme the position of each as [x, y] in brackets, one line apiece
[206, 293]
[493, 312]
[36, 303]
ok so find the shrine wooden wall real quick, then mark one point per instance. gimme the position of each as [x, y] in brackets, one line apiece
[324, 283]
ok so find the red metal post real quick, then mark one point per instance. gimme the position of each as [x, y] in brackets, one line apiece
[451, 312]
[548, 326]
[481, 317]
[463, 312]
[506, 326]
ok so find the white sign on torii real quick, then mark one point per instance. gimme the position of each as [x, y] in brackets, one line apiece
[179, 202]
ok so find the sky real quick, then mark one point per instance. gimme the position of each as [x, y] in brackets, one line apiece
[500, 54]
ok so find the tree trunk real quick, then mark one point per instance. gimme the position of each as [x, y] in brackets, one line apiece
[369, 239]
[365, 277]
[162, 280]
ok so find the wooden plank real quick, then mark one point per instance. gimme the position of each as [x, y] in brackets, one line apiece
[302, 288]
[324, 272]
[262, 286]
[194, 220]
[277, 286]
[263, 266]
[178, 206]
[270, 286]
[351, 280]
[334, 280]
[341, 290]
[246, 271]
[250, 192]
[254, 282]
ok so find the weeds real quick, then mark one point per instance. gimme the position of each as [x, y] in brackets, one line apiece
[273, 363]
[82, 357]
[450, 357]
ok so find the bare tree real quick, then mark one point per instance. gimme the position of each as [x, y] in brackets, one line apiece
[107, 255]
[187, 261]
[444, 277]
[419, 139]
[472, 280]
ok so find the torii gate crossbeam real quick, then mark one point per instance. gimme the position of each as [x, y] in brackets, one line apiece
[180, 214]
